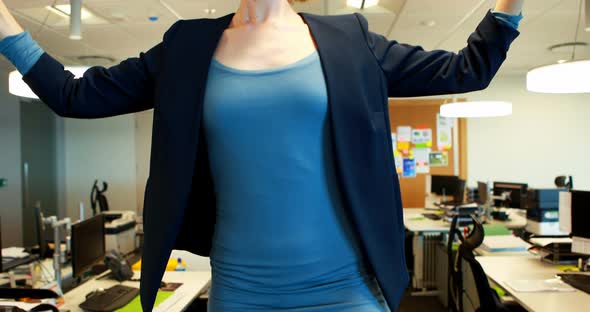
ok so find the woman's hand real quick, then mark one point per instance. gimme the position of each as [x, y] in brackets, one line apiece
[8, 25]
[513, 7]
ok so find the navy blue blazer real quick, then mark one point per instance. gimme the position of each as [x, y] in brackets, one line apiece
[362, 69]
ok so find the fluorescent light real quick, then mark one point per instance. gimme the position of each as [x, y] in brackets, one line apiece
[64, 10]
[358, 3]
[476, 109]
[568, 77]
[18, 87]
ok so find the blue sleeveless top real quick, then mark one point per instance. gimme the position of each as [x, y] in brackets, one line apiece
[282, 239]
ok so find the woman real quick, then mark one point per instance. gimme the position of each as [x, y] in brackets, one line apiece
[270, 147]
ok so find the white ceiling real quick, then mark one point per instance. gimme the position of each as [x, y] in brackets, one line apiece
[128, 31]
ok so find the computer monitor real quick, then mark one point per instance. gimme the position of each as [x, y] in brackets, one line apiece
[580, 214]
[448, 186]
[40, 228]
[516, 191]
[88, 244]
[443, 185]
[482, 193]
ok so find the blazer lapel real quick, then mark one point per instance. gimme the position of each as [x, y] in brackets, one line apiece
[366, 175]
[177, 121]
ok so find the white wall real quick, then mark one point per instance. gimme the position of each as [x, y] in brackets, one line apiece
[10, 166]
[547, 135]
[102, 149]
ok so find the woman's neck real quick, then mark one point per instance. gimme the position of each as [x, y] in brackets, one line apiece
[264, 11]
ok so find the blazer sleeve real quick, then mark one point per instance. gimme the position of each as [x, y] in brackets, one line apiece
[411, 71]
[102, 92]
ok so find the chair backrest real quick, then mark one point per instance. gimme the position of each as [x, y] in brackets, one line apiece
[488, 299]
[455, 279]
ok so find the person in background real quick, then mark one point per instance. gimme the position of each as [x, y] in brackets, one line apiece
[269, 149]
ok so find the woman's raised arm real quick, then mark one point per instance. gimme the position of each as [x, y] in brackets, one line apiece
[102, 92]
[411, 71]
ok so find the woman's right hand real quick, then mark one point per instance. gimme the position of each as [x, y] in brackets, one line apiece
[8, 25]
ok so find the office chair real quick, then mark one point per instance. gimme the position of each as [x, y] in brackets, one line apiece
[489, 301]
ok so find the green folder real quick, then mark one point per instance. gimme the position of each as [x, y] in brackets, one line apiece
[496, 229]
[135, 305]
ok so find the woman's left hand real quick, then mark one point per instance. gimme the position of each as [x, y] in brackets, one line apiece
[513, 7]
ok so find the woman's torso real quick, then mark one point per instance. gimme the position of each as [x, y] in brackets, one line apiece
[282, 238]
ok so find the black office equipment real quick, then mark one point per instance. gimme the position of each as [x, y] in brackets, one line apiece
[578, 281]
[432, 216]
[97, 197]
[40, 229]
[448, 186]
[562, 181]
[120, 268]
[580, 214]
[32, 293]
[482, 193]
[542, 205]
[515, 191]
[109, 299]
[88, 244]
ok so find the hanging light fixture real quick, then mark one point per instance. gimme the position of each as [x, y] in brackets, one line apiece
[361, 4]
[18, 87]
[565, 76]
[476, 109]
[76, 20]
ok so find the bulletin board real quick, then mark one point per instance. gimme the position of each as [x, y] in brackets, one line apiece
[421, 116]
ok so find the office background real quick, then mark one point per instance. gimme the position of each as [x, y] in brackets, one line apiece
[542, 139]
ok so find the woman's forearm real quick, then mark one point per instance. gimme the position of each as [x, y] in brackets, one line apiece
[8, 25]
[513, 7]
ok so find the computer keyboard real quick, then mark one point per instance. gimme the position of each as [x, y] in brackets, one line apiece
[110, 299]
[578, 281]
[432, 216]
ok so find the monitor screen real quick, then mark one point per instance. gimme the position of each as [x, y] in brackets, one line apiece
[445, 185]
[515, 191]
[580, 214]
[88, 244]
[482, 193]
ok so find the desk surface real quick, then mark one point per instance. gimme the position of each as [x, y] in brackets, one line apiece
[502, 269]
[415, 222]
[192, 282]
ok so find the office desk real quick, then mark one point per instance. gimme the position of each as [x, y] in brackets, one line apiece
[502, 269]
[415, 222]
[192, 282]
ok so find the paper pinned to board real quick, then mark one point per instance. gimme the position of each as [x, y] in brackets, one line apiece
[439, 159]
[409, 168]
[404, 134]
[422, 137]
[399, 162]
[444, 132]
[422, 156]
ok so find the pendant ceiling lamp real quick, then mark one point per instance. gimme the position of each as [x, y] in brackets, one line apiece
[565, 77]
[76, 19]
[361, 4]
[476, 109]
[18, 87]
